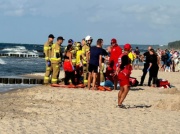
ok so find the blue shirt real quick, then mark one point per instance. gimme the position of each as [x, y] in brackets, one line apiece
[95, 52]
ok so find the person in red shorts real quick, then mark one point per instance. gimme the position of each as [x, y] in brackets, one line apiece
[123, 72]
[116, 51]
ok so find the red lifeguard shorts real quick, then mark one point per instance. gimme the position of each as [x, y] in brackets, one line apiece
[123, 79]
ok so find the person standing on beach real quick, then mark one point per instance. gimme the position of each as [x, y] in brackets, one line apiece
[86, 43]
[79, 62]
[56, 57]
[47, 53]
[123, 72]
[132, 55]
[153, 68]
[145, 56]
[136, 60]
[116, 51]
[95, 62]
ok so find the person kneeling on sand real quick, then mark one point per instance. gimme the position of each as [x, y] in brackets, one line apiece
[123, 72]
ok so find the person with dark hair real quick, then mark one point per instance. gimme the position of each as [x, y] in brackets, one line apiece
[168, 61]
[56, 60]
[94, 61]
[68, 67]
[145, 57]
[153, 68]
[123, 71]
[136, 60]
[164, 60]
[47, 53]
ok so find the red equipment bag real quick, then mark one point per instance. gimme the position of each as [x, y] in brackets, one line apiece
[163, 83]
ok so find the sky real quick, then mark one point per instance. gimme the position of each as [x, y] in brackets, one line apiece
[129, 21]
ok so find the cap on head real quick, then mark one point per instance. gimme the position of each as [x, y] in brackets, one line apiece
[60, 38]
[127, 47]
[113, 41]
[70, 41]
[51, 36]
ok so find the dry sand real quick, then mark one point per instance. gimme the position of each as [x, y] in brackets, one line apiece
[47, 110]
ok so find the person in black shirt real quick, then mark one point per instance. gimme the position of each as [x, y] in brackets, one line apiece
[94, 61]
[153, 67]
[146, 56]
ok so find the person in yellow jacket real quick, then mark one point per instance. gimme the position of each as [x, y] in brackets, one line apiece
[131, 55]
[79, 62]
[86, 44]
[47, 53]
[56, 60]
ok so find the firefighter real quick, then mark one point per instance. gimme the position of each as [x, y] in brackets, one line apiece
[47, 53]
[79, 62]
[56, 57]
[86, 44]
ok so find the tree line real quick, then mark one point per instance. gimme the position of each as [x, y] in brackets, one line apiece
[175, 45]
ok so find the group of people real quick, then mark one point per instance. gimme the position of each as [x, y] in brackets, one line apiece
[151, 65]
[160, 60]
[170, 60]
[83, 64]
[73, 59]
[86, 65]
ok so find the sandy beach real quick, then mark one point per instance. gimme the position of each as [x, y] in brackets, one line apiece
[51, 110]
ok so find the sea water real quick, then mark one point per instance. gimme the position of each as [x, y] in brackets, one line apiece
[16, 66]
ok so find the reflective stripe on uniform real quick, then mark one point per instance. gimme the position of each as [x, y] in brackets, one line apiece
[54, 80]
[48, 68]
[85, 81]
[46, 78]
[56, 59]
[46, 58]
[74, 60]
[47, 48]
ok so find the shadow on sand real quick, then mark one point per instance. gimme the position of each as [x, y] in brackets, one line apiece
[138, 106]
[136, 89]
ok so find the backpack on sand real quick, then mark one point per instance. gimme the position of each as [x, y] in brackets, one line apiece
[163, 83]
